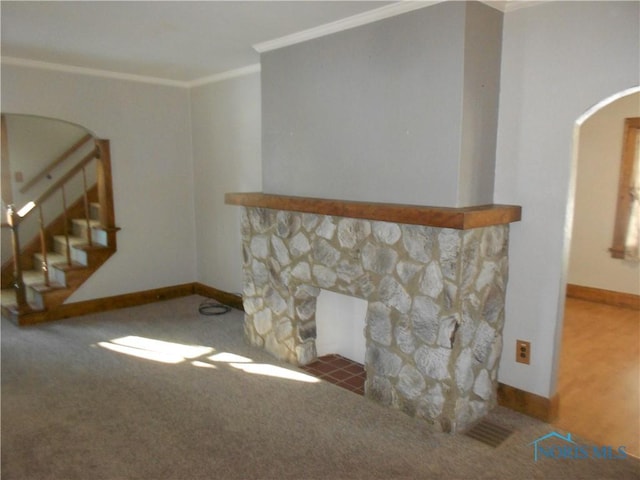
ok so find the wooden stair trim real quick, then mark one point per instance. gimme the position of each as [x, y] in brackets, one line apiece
[55, 227]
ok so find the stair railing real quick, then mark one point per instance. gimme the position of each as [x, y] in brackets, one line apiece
[57, 161]
[101, 153]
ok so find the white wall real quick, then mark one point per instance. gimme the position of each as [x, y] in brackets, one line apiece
[149, 129]
[559, 59]
[227, 158]
[599, 156]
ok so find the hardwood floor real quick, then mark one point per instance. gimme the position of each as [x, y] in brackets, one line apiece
[599, 376]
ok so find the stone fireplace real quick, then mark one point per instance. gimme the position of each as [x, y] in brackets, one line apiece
[434, 279]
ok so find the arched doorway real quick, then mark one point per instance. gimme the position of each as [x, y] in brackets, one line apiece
[598, 376]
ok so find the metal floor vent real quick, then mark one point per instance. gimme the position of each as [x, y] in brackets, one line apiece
[489, 433]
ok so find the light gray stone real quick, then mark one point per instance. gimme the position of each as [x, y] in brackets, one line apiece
[432, 283]
[352, 231]
[493, 308]
[433, 362]
[385, 232]
[280, 251]
[325, 277]
[299, 245]
[284, 329]
[349, 271]
[301, 271]
[380, 260]
[324, 253]
[483, 342]
[383, 362]
[260, 273]
[306, 353]
[483, 387]
[446, 330]
[245, 224]
[327, 228]
[425, 319]
[379, 323]
[252, 304]
[380, 390]
[462, 414]
[262, 321]
[486, 277]
[307, 331]
[365, 286]
[261, 219]
[494, 241]
[260, 246]
[494, 354]
[404, 338]
[274, 301]
[287, 223]
[464, 371]
[433, 402]
[306, 291]
[418, 242]
[310, 220]
[449, 243]
[407, 270]
[394, 295]
[410, 383]
[277, 349]
[306, 309]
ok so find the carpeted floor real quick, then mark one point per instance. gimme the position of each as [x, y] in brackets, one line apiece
[127, 395]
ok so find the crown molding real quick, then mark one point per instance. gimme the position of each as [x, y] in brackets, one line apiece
[58, 67]
[364, 18]
[218, 77]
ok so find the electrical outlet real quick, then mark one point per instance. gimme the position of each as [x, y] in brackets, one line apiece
[523, 351]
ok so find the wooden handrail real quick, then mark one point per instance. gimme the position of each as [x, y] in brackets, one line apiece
[64, 179]
[46, 170]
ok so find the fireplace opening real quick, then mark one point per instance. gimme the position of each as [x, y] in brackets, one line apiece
[340, 324]
[340, 341]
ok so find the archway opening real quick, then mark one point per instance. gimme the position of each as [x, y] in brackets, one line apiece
[599, 367]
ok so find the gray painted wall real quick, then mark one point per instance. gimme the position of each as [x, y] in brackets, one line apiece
[376, 113]
[226, 158]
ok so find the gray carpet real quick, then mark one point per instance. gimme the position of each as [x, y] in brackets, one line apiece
[74, 409]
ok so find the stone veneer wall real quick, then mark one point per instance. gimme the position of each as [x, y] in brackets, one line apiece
[435, 304]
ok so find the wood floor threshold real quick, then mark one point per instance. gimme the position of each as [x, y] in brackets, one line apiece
[134, 299]
[608, 297]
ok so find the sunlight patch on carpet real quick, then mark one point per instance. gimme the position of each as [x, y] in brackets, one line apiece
[199, 356]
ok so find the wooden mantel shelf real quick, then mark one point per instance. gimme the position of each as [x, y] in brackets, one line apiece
[443, 217]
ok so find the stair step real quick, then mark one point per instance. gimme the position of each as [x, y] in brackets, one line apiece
[75, 244]
[59, 268]
[94, 210]
[79, 229]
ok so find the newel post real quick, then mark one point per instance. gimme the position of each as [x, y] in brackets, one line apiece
[13, 219]
[105, 189]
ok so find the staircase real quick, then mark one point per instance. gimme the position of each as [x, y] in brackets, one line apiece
[63, 256]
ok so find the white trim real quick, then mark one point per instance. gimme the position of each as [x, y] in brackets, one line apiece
[364, 18]
[58, 67]
[218, 77]
[22, 62]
